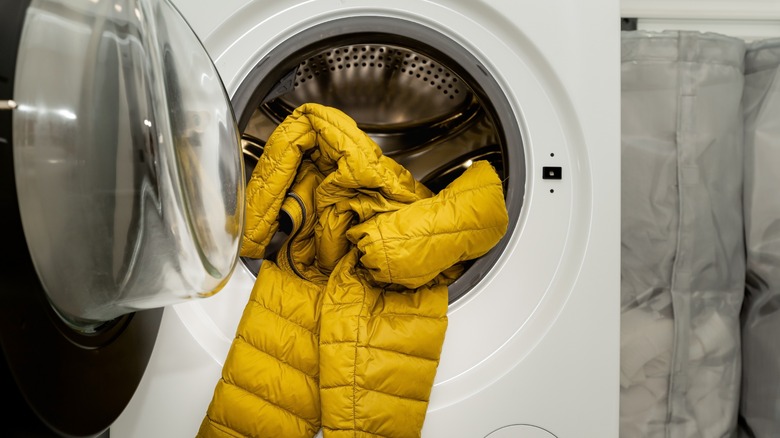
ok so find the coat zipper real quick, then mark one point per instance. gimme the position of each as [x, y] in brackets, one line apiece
[292, 238]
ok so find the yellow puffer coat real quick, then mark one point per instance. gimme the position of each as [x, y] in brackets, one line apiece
[343, 331]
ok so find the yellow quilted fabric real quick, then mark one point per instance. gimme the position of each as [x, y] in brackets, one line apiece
[344, 328]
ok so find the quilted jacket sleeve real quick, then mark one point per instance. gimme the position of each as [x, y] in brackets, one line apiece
[340, 150]
[271, 178]
[413, 245]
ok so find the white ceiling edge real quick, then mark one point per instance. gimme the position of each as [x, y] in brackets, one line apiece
[762, 10]
[749, 30]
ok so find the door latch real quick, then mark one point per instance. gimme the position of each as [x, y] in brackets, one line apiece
[552, 172]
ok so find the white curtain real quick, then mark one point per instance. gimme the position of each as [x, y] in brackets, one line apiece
[760, 402]
[700, 272]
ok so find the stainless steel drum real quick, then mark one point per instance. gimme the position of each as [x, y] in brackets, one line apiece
[424, 100]
[416, 109]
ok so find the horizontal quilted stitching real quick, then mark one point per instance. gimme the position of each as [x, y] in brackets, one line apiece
[357, 351]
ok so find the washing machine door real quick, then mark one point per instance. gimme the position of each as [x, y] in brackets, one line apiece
[122, 192]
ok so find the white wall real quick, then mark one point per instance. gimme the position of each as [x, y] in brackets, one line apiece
[748, 19]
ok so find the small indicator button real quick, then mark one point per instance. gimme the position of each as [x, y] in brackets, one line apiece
[552, 172]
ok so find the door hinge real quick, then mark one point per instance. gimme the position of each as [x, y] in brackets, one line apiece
[8, 104]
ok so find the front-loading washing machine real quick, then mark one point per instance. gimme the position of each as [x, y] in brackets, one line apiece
[531, 348]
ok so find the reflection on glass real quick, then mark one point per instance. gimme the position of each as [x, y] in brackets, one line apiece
[127, 158]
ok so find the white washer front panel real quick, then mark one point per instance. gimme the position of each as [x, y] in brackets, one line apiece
[536, 342]
[513, 291]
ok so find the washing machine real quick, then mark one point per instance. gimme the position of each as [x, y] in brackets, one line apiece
[532, 346]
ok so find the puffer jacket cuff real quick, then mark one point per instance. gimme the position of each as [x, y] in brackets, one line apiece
[414, 244]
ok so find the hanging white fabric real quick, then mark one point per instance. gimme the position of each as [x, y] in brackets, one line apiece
[760, 398]
[683, 257]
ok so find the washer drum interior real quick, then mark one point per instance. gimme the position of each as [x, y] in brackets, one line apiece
[420, 106]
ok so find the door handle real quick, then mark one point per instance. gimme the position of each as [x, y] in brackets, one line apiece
[7, 104]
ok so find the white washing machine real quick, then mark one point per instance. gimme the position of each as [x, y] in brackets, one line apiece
[532, 346]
